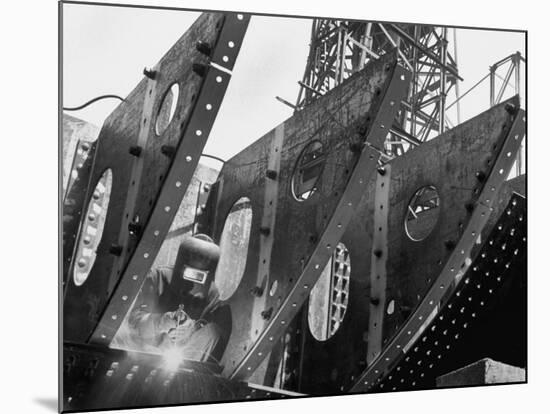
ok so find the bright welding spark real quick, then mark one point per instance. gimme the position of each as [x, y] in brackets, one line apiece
[172, 358]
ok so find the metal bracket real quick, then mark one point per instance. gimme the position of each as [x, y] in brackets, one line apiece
[456, 264]
[177, 180]
[137, 169]
[334, 230]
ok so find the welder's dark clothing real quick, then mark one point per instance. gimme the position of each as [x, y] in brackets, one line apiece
[162, 293]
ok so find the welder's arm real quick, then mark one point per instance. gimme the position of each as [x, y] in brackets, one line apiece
[145, 319]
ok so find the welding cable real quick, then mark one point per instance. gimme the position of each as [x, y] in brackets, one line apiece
[213, 157]
[78, 108]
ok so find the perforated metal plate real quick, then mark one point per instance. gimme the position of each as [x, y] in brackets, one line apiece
[502, 257]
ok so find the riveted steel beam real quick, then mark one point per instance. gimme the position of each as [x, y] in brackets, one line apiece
[379, 255]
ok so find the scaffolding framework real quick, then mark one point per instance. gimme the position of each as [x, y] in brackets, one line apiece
[340, 48]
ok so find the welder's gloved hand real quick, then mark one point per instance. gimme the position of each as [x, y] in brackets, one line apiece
[183, 332]
[168, 321]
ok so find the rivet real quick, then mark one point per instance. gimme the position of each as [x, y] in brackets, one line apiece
[200, 69]
[511, 109]
[257, 291]
[115, 250]
[449, 244]
[168, 150]
[204, 48]
[135, 150]
[271, 174]
[149, 73]
[480, 175]
[266, 314]
[134, 228]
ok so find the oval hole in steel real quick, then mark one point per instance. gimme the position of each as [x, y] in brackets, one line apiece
[234, 248]
[422, 213]
[167, 109]
[308, 170]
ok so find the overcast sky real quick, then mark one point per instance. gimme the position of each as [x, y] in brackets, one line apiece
[106, 48]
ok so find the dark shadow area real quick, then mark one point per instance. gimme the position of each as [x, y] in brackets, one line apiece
[49, 403]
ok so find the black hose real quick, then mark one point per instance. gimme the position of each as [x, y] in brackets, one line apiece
[213, 157]
[77, 108]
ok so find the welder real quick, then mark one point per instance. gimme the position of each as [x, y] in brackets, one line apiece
[178, 307]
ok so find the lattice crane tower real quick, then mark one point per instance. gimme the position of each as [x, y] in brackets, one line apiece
[340, 48]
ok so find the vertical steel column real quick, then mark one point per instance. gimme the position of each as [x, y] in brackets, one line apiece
[457, 86]
[378, 274]
[414, 88]
[442, 79]
[492, 85]
[516, 59]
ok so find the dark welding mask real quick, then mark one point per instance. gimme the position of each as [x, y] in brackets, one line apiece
[197, 259]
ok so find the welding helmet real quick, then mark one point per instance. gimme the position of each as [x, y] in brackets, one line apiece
[197, 259]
